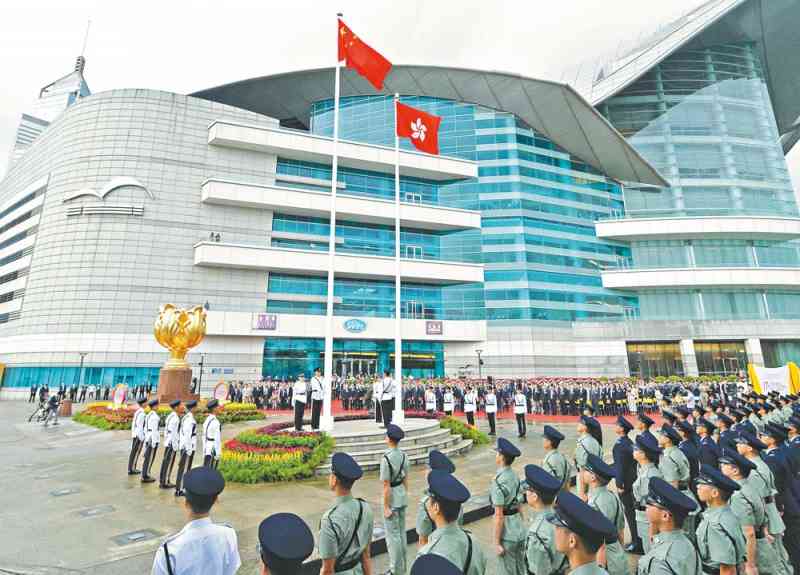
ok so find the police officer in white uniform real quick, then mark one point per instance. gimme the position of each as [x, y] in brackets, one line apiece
[387, 397]
[491, 409]
[152, 437]
[520, 408]
[430, 400]
[299, 398]
[201, 546]
[317, 390]
[212, 437]
[470, 404]
[137, 438]
[171, 445]
[188, 444]
[449, 401]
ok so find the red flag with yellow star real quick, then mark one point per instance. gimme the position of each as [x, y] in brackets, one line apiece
[361, 57]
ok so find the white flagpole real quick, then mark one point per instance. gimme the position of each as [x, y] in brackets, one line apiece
[398, 417]
[326, 421]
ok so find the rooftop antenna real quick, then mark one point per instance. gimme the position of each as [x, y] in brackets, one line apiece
[86, 37]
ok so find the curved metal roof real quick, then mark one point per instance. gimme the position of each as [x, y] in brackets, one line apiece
[773, 24]
[555, 110]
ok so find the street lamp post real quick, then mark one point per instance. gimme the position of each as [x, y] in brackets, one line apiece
[200, 381]
[479, 352]
[80, 371]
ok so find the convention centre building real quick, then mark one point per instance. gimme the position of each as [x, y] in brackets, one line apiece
[644, 224]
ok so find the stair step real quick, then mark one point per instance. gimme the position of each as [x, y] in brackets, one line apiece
[380, 444]
[409, 450]
[459, 448]
[380, 434]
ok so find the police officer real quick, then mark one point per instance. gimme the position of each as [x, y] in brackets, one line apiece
[625, 467]
[646, 452]
[387, 397]
[643, 424]
[137, 437]
[709, 451]
[151, 440]
[201, 546]
[448, 540]
[448, 401]
[346, 528]
[554, 461]
[520, 408]
[430, 400]
[299, 398]
[212, 436]
[470, 404]
[505, 495]
[490, 399]
[674, 468]
[580, 532]
[284, 542]
[188, 445]
[586, 444]
[425, 526]
[171, 444]
[720, 541]
[317, 390]
[394, 475]
[596, 474]
[541, 489]
[671, 552]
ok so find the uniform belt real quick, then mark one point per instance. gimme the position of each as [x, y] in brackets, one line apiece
[683, 485]
[341, 567]
[710, 570]
[508, 512]
[760, 534]
[641, 508]
[396, 483]
[769, 499]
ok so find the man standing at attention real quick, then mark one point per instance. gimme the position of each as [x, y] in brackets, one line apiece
[317, 390]
[554, 462]
[212, 437]
[137, 437]
[505, 495]
[299, 399]
[394, 475]
[387, 398]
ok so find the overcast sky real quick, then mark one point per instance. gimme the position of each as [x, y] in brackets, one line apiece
[182, 46]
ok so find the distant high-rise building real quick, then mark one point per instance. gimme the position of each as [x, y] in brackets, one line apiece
[53, 99]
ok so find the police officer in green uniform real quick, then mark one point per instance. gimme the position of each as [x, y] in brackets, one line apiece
[720, 541]
[596, 474]
[586, 444]
[448, 540]
[505, 495]
[425, 526]
[646, 452]
[345, 530]
[284, 542]
[394, 475]
[674, 468]
[747, 505]
[541, 558]
[580, 532]
[554, 461]
[671, 552]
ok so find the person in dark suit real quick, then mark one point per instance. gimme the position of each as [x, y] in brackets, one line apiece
[33, 393]
[709, 450]
[625, 467]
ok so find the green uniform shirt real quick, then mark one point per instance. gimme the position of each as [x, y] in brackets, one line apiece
[609, 505]
[453, 543]
[719, 538]
[586, 445]
[749, 508]
[589, 569]
[557, 465]
[336, 530]
[763, 481]
[394, 468]
[540, 546]
[673, 465]
[756, 421]
[641, 487]
[672, 553]
[506, 492]
[425, 525]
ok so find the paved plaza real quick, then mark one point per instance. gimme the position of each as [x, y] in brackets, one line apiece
[69, 507]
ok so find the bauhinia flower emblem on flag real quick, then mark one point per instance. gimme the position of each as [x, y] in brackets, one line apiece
[421, 128]
[418, 130]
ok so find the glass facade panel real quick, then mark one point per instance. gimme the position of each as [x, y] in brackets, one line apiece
[778, 353]
[720, 357]
[654, 359]
[53, 376]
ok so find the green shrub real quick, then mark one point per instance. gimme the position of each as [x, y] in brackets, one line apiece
[458, 427]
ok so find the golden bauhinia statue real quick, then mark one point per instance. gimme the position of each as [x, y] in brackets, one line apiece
[179, 330]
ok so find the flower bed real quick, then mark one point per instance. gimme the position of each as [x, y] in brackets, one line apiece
[103, 415]
[466, 431]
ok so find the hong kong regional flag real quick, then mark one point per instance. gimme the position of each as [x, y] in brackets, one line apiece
[361, 57]
[421, 128]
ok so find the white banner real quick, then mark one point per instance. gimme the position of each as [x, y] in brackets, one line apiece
[773, 379]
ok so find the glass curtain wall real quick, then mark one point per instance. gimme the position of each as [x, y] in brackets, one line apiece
[720, 357]
[654, 359]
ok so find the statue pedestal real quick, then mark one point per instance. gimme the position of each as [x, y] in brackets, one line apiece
[175, 384]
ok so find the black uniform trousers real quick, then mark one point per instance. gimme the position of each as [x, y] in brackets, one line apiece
[133, 458]
[387, 407]
[166, 466]
[149, 456]
[791, 540]
[210, 461]
[491, 418]
[299, 408]
[316, 410]
[522, 427]
[629, 506]
[471, 417]
[184, 465]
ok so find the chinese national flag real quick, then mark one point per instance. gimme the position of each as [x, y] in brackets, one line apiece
[421, 128]
[361, 57]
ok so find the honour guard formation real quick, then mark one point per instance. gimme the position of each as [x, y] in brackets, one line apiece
[712, 490]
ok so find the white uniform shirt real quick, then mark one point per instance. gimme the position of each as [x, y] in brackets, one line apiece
[520, 403]
[449, 402]
[137, 425]
[171, 437]
[152, 434]
[430, 400]
[491, 402]
[470, 399]
[212, 436]
[200, 547]
[387, 389]
[316, 388]
[188, 433]
[299, 391]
